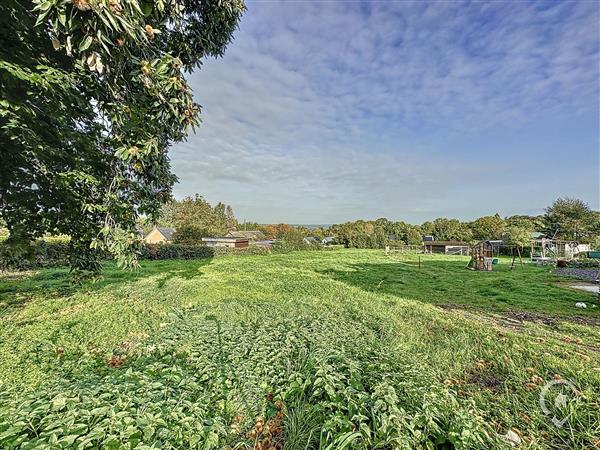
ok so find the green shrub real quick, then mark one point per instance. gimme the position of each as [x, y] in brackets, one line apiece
[55, 253]
[252, 250]
[584, 263]
[190, 235]
[175, 251]
[38, 254]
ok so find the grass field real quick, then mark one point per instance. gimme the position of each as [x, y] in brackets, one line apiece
[330, 349]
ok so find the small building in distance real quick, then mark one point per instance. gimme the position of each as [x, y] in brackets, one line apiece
[266, 243]
[446, 247]
[252, 236]
[310, 240]
[328, 240]
[226, 241]
[160, 235]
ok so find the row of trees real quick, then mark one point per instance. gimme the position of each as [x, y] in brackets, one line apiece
[566, 218]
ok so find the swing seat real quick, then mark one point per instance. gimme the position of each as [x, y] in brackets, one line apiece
[495, 261]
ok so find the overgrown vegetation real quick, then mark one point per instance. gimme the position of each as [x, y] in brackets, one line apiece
[333, 350]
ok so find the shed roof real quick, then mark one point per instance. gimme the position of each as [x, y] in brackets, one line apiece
[166, 232]
[247, 234]
[224, 239]
[446, 243]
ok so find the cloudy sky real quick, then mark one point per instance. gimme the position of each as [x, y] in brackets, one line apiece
[322, 112]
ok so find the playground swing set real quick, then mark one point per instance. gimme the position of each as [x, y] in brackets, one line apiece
[485, 255]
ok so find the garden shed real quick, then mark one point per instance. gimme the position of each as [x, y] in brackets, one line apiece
[229, 242]
[446, 247]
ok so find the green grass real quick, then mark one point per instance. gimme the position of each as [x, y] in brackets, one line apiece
[186, 354]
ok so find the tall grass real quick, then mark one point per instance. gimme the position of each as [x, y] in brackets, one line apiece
[307, 350]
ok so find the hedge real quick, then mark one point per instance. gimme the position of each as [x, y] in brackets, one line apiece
[55, 254]
[42, 254]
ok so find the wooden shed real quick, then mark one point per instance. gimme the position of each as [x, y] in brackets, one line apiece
[446, 247]
[229, 242]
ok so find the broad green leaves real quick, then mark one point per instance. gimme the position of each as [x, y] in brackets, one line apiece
[96, 87]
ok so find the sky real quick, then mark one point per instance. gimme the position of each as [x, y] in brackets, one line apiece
[324, 112]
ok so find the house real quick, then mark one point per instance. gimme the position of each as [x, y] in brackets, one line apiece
[311, 240]
[266, 243]
[446, 247]
[160, 235]
[329, 240]
[226, 241]
[252, 236]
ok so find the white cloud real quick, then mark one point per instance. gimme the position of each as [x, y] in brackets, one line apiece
[323, 112]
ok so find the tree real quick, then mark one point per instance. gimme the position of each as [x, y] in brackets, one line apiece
[230, 218]
[93, 95]
[451, 229]
[488, 227]
[276, 231]
[570, 218]
[517, 235]
[195, 218]
[532, 223]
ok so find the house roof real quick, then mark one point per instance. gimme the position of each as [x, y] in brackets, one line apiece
[224, 239]
[166, 232]
[246, 234]
[446, 243]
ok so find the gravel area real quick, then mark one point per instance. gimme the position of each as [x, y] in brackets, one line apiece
[582, 274]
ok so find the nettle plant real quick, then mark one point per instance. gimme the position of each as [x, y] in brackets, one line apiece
[94, 94]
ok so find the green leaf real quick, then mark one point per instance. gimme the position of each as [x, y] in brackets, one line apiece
[85, 44]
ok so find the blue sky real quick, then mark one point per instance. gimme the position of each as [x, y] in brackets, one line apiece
[322, 112]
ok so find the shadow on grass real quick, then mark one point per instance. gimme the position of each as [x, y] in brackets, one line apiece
[18, 288]
[450, 283]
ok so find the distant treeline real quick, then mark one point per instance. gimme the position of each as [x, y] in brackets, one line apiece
[567, 218]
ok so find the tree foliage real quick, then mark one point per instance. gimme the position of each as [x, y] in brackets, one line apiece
[451, 230]
[194, 218]
[571, 218]
[517, 235]
[93, 96]
[488, 227]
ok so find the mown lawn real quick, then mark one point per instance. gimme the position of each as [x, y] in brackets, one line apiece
[331, 349]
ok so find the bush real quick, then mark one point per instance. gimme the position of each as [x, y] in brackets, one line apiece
[175, 251]
[584, 263]
[39, 254]
[43, 254]
[252, 250]
[190, 235]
